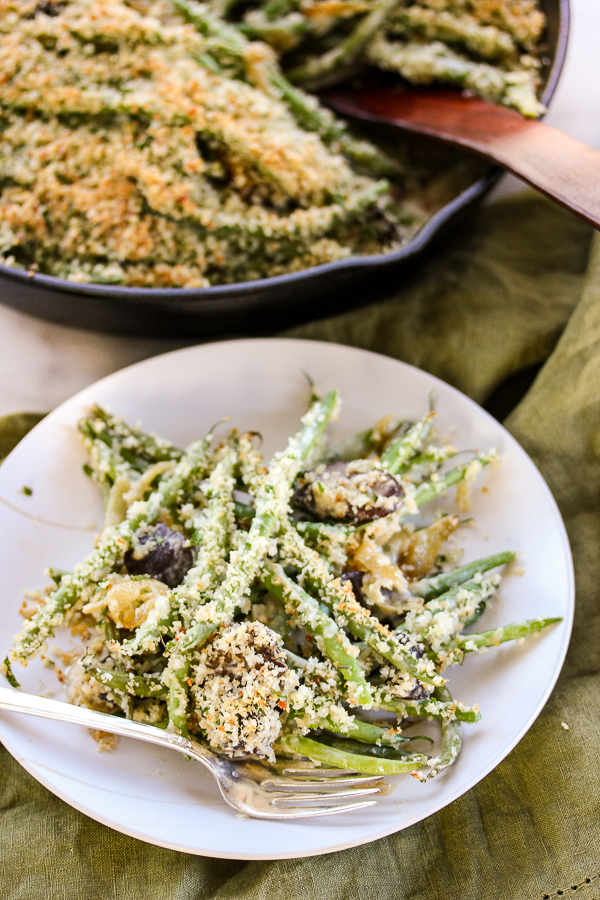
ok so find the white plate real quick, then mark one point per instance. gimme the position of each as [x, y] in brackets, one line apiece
[157, 795]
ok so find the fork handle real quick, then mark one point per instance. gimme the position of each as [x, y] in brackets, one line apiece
[17, 701]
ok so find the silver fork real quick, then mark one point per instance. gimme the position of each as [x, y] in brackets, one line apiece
[288, 791]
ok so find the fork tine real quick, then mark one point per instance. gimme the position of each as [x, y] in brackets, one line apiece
[318, 784]
[313, 811]
[318, 799]
[317, 774]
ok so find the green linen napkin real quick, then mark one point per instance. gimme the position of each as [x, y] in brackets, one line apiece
[515, 294]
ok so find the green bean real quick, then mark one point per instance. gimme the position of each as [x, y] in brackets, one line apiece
[321, 71]
[423, 465]
[365, 732]
[234, 568]
[458, 596]
[300, 226]
[423, 63]
[127, 682]
[475, 615]
[348, 612]
[451, 736]
[103, 42]
[429, 490]
[361, 444]
[274, 8]
[355, 447]
[294, 661]
[243, 511]
[213, 527]
[348, 745]
[272, 499]
[210, 63]
[153, 448]
[106, 461]
[283, 34]
[331, 756]
[55, 574]
[111, 101]
[278, 621]
[309, 114]
[525, 25]
[397, 455]
[463, 604]
[192, 467]
[210, 25]
[329, 638]
[321, 531]
[333, 132]
[485, 41]
[425, 709]
[314, 531]
[434, 585]
[115, 541]
[110, 629]
[148, 636]
[212, 530]
[178, 670]
[496, 636]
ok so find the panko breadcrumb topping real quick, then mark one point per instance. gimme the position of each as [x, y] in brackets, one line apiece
[159, 143]
[241, 690]
[212, 606]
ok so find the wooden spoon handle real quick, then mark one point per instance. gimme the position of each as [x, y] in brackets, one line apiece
[563, 168]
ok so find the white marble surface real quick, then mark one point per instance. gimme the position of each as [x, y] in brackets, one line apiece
[41, 364]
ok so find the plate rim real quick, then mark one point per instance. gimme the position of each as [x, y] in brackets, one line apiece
[411, 820]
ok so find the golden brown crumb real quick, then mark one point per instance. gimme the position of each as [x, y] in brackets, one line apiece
[105, 741]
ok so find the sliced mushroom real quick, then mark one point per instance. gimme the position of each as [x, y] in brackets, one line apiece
[161, 553]
[352, 491]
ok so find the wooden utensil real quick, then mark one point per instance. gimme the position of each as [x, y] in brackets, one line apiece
[563, 168]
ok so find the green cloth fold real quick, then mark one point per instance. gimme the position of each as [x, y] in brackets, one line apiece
[515, 292]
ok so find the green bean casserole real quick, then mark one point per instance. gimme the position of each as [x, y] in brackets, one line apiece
[309, 607]
[171, 143]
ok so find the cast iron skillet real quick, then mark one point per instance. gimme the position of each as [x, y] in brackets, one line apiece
[270, 304]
